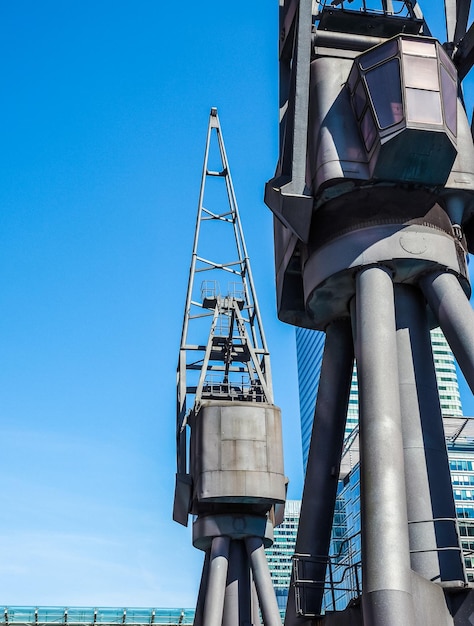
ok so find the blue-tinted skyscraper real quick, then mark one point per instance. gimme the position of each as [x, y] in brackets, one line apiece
[309, 355]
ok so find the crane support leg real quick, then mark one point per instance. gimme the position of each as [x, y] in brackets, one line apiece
[387, 591]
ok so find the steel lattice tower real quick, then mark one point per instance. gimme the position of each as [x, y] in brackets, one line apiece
[229, 446]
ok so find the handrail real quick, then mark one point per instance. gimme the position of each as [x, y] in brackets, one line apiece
[398, 7]
[343, 574]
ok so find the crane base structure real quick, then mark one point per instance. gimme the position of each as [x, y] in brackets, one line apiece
[373, 199]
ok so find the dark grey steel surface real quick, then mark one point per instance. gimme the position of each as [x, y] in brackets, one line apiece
[457, 15]
[394, 207]
[455, 316]
[263, 581]
[206, 527]
[237, 606]
[322, 474]
[255, 605]
[418, 399]
[216, 582]
[429, 489]
[199, 612]
[287, 191]
[410, 250]
[386, 574]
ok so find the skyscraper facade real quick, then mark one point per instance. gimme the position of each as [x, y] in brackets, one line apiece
[280, 554]
[346, 544]
[309, 356]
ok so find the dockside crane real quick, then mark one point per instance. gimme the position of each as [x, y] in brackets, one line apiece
[373, 202]
[230, 475]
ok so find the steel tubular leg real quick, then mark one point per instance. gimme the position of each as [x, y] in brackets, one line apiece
[263, 581]
[451, 307]
[216, 583]
[419, 404]
[322, 473]
[386, 590]
[426, 458]
[255, 606]
[237, 605]
[198, 617]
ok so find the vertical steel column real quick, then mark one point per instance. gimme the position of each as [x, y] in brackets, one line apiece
[237, 605]
[426, 458]
[255, 606]
[263, 581]
[322, 473]
[455, 316]
[418, 400]
[216, 582]
[386, 590]
[199, 613]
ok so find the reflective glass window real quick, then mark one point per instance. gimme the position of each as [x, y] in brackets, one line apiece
[421, 72]
[419, 47]
[360, 100]
[423, 106]
[378, 54]
[450, 100]
[368, 129]
[353, 78]
[447, 62]
[386, 93]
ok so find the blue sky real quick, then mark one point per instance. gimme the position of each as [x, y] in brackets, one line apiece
[104, 116]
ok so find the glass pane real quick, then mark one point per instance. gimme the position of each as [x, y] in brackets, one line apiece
[378, 54]
[359, 100]
[386, 93]
[80, 615]
[419, 47]
[19, 614]
[109, 616]
[353, 78]
[450, 100]
[368, 129]
[423, 106]
[421, 72]
[446, 61]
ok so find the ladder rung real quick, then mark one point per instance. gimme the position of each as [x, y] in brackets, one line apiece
[213, 173]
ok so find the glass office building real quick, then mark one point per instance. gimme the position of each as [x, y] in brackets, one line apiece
[280, 555]
[309, 356]
[346, 545]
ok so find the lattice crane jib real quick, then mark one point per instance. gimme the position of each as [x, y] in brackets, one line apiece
[223, 352]
[229, 443]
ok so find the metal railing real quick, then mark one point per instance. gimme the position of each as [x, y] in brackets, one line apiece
[399, 8]
[239, 391]
[210, 291]
[343, 576]
[343, 580]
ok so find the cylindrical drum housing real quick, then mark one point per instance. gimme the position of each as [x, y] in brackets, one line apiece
[237, 454]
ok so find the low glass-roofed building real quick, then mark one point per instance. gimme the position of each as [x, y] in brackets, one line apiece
[89, 616]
